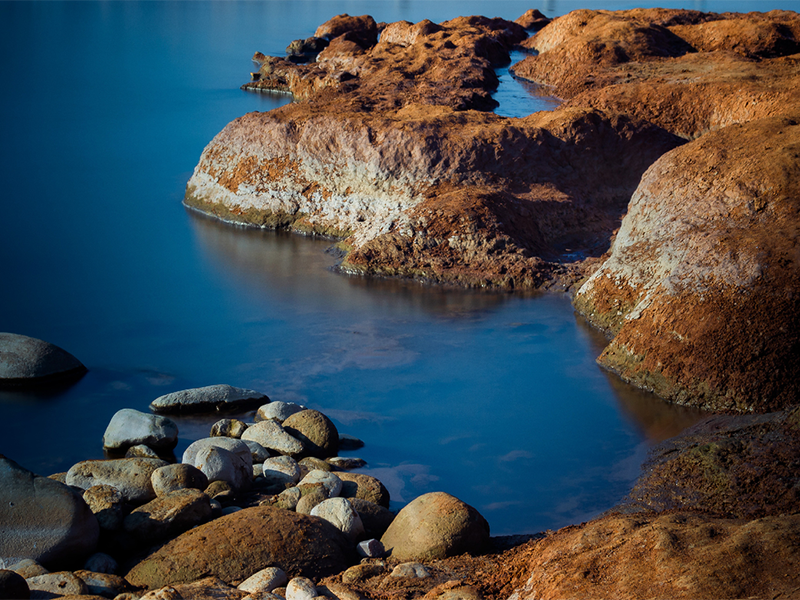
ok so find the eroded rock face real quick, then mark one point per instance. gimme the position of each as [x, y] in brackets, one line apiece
[398, 162]
[701, 288]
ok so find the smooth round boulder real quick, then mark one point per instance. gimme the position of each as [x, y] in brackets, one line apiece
[366, 487]
[435, 526]
[330, 481]
[272, 436]
[129, 427]
[301, 588]
[169, 515]
[28, 361]
[13, 586]
[340, 513]
[277, 411]
[228, 428]
[211, 398]
[317, 432]
[238, 447]
[236, 546]
[218, 464]
[131, 476]
[285, 465]
[171, 478]
[43, 519]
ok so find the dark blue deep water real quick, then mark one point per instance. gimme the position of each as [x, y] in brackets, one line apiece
[106, 107]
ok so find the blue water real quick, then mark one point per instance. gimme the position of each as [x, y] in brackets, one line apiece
[106, 108]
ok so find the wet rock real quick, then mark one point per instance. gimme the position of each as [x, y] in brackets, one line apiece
[346, 462]
[277, 411]
[218, 464]
[28, 361]
[130, 476]
[341, 514]
[108, 505]
[130, 427]
[212, 398]
[171, 478]
[316, 431]
[699, 287]
[43, 519]
[236, 546]
[435, 525]
[376, 518]
[13, 586]
[58, 584]
[265, 580]
[349, 442]
[272, 436]
[366, 487]
[169, 515]
[228, 428]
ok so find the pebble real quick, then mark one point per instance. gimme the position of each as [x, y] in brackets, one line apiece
[341, 515]
[301, 588]
[265, 580]
[370, 549]
[410, 570]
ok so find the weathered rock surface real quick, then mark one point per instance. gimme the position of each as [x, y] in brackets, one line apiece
[28, 361]
[238, 447]
[277, 411]
[171, 478]
[129, 427]
[340, 513]
[108, 505]
[211, 398]
[435, 525]
[219, 464]
[271, 435]
[130, 476]
[54, 585]
[366, 487]
[701, 288]
[42, 519]
[168, 515]
[317, 433]
[236, 546]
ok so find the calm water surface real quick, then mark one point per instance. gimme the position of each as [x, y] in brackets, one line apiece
[106, 109]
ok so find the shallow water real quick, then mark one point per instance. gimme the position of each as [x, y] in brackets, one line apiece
[494, 398]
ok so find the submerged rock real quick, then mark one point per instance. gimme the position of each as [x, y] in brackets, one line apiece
[212, 398]
[28, 361]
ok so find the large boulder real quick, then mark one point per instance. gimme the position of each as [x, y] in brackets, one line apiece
[271, 435]
[169, 515]
[25, 361]
[236, 546]
[129, 427]
[701, 288]
[130, 476]
[238, 447]
[211, 398]
[317, 432]
[42, 519]
[435, 526]
[218, 464]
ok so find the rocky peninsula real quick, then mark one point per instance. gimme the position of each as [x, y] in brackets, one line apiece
[662, 194]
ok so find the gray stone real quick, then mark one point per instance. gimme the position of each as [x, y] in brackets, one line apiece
[107, 504]
[284, 465]
[332, 483]
[271, 435]
[258, 453]
[53, 585]
[410, 570]
[171, 478]
[228, 428]
[219, 464]
[300, 588]
[28, 361]
[341, 515]
[370, 549]
[277, 411]
[129, 427]
[169, 515]
[265, 580]
[212, 398]
[131, 476]
[43, 519]
[435, 526]
[99, 562]
[13, 586]
[238, 447]
[103, 584]
[317, 432]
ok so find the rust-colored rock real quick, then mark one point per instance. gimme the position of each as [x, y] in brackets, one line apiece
[701, 288]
